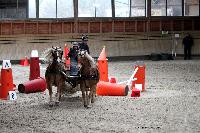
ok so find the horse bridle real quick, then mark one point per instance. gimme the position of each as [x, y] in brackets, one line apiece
[57, 54]
[82, 53]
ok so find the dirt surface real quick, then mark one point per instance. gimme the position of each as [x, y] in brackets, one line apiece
[171, 103]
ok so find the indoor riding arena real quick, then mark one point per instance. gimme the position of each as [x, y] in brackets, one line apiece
[88, 66]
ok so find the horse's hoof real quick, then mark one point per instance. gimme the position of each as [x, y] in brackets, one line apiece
[87, 106]
[50, 105]
[57, 103]
[92, 101]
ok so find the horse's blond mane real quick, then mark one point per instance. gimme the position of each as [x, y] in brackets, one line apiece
[91, 60]
[47, 55]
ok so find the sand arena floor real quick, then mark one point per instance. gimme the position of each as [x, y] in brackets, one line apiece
[171, 103]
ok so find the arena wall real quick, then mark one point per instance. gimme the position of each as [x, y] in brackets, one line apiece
[122, 38]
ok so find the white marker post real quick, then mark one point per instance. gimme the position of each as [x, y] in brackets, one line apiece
[6, 64]
[131, 79]
[12, 95]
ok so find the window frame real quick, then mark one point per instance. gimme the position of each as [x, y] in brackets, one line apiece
[148, 15]
[183, 10]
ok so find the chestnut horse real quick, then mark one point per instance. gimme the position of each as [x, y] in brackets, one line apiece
[53, 74]
[89, 78]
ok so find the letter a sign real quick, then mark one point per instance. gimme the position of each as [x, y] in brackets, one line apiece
[6, 64]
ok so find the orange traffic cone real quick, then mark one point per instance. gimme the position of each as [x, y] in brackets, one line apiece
[0, 78]
[33, 86]
[135, 92]
[103, 66]
[66, 50]
[22, 62]
[26, 62]
[140, 75]
[67, 61]
[34, 65]
[7, 80]
[112, 80]
[111, 89]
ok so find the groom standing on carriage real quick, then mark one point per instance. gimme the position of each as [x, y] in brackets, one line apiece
[83, 45]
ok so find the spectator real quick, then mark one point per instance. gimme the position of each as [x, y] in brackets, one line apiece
[187, 43]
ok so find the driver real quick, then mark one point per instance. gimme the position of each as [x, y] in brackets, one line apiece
[73, 54]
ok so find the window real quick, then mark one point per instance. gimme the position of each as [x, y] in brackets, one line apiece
[47, 8]
[32, 8]
[122, 8]
[94, 8]
[13, 9]
[65, 8]
[191, 7]
[158, 8]
[174, 7]
[137, 8]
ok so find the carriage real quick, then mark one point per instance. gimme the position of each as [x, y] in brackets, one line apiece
[87, 76]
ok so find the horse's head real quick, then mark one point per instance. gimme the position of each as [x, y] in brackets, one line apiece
[82, 53]
[57, 54]
[85, 58]
[82, 56]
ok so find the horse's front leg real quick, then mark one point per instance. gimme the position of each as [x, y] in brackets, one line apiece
[82, 87]
[93, 93]
[87, 97]
[58, 96]
[49, 87]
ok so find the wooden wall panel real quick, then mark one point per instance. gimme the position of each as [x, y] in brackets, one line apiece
[130, 26]
[56, 28]
[83, 27]
[17, 28]
[187, 25]
[0, 28]
[94, 27]
[106, 27]
[119, 26]
[67, 27]
[31, 28]
[166, 25]
[43, 28]
[197, 25]
[140, 26]
[6, 28]
[155, 26]
[177, 25]
[98, 26]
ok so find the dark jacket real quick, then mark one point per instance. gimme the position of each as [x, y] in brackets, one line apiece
[84, 46]
[188, 41]
[73, 54]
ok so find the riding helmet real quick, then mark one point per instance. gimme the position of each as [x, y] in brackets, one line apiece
[84, 38]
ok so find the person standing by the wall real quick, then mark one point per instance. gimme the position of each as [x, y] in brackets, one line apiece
[187, 43]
